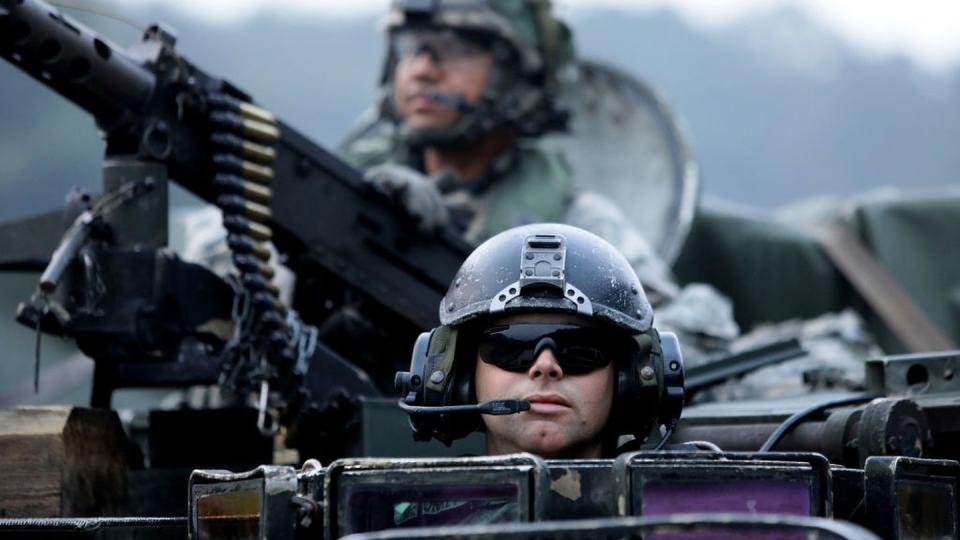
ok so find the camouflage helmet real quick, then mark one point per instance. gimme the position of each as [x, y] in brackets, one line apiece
[522, 85]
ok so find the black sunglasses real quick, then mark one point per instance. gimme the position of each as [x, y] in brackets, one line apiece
[578, 349]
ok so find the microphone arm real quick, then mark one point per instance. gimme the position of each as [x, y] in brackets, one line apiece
[456, 102]
[494, 407]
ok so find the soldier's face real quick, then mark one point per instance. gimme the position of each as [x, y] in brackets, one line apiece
[568, 412]
[436, 61]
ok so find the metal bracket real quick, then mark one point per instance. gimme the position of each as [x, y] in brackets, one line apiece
[542, 260]
[543, 263]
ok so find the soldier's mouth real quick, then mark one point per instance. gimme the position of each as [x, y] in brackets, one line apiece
[547, 403]
[422, 103]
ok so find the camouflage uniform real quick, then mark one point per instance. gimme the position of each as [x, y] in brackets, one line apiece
[526, 184]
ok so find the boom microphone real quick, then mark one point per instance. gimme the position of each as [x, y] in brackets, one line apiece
[457, 102]
[494, 407]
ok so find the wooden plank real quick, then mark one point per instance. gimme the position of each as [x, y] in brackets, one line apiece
[61, 462]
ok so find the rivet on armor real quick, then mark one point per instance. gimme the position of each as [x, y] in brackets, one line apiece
[529, 256]
[674, 366]
[436, 377]
[647, 373]
[557, 256]
[529, 272]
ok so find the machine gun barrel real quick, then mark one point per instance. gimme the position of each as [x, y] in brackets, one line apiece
[73, 61]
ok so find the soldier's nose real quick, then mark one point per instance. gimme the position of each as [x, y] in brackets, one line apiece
[425, 62]
[545, 364]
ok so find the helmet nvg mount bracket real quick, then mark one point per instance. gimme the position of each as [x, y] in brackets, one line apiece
[541, 264]
[561, 269]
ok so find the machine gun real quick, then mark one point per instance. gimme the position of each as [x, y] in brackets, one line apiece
[148, 318]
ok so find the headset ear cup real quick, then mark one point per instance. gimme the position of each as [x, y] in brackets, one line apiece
[463, 388]
[458, 388]
[411, 385]
[674, 390]
[627, 402]
[635, 404]
[460, 382]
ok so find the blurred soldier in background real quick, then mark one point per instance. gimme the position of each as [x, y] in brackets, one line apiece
[469, 89]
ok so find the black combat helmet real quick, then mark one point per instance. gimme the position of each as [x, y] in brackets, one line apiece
[548, 267]
[542, 268]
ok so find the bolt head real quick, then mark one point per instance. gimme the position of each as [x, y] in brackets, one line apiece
[436, 377]
[647, 373]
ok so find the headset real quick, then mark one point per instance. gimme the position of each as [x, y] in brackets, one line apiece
[438, 391]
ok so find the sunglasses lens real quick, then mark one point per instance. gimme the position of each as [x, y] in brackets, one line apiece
[508, 347]
[442, 45]
[579, 350]
[579, 360]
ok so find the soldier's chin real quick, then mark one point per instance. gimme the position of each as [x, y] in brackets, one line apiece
[431, 134]
[555, 446]
[436, 119]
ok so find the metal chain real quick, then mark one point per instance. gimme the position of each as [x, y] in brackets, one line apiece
[238, 352]
[303, 339]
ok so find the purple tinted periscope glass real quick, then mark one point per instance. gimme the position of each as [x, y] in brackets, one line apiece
[760, 496]
[378, 506]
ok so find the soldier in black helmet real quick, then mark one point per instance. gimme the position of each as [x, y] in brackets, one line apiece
[547, 343]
